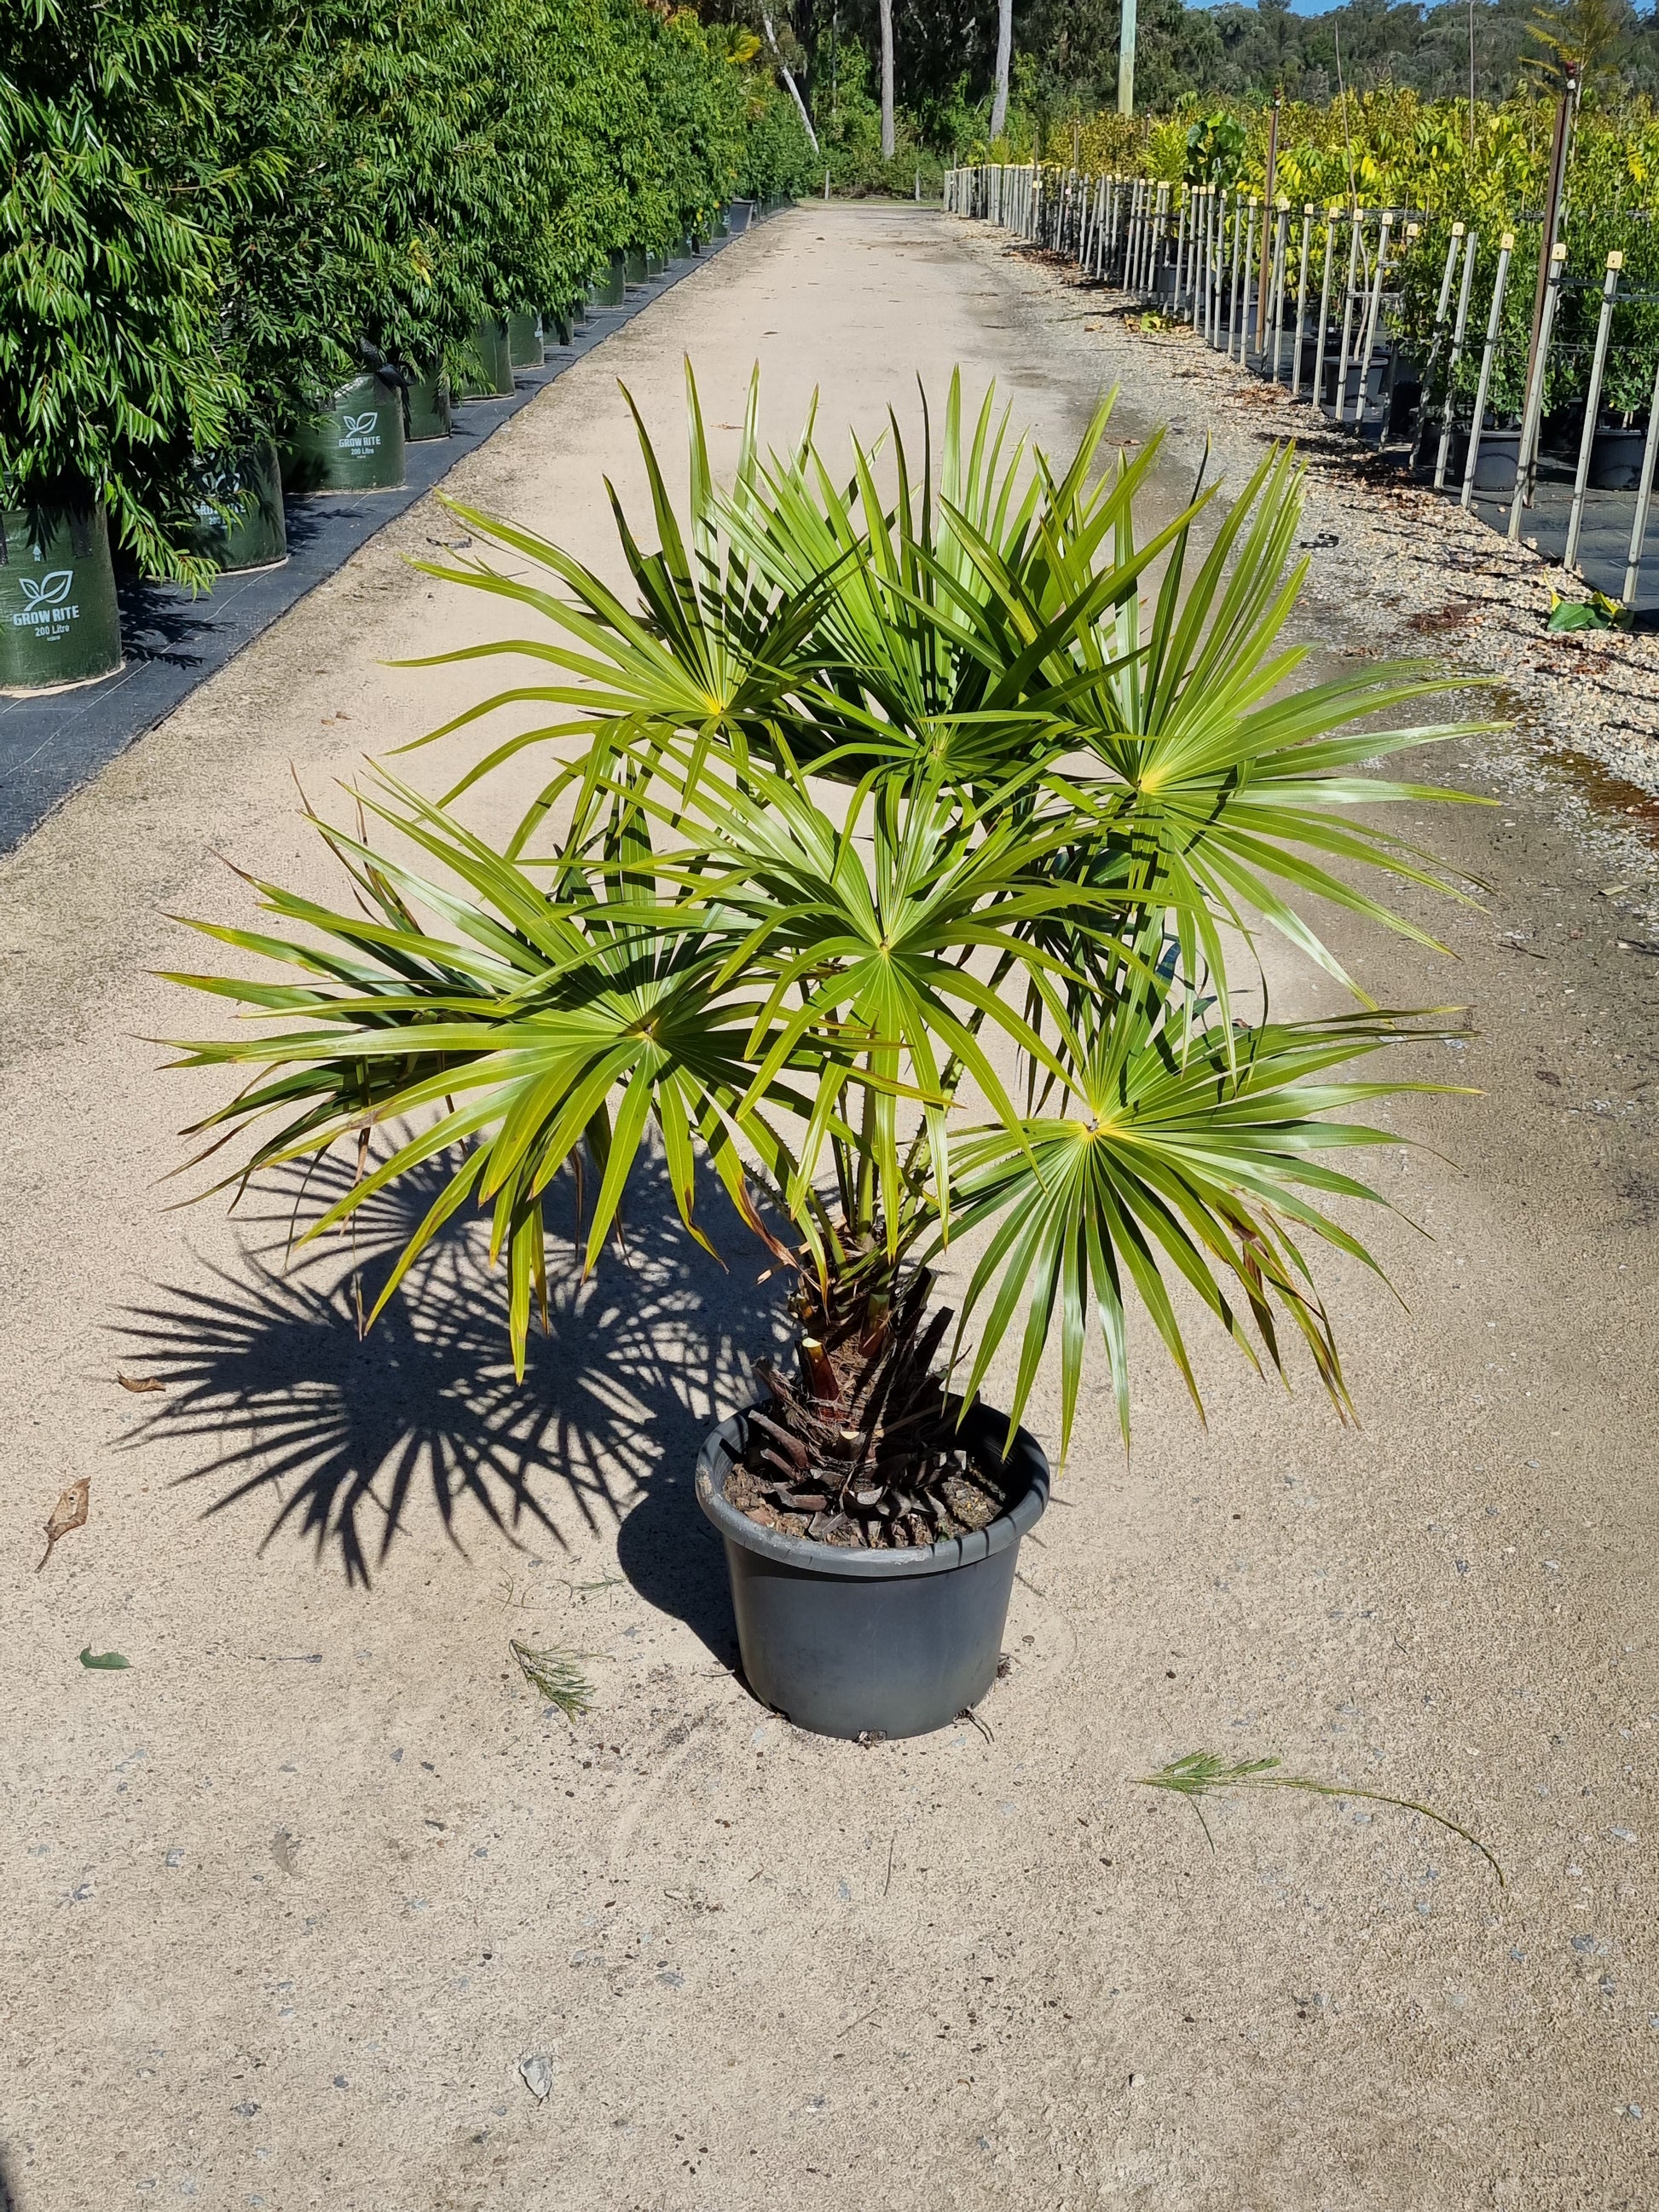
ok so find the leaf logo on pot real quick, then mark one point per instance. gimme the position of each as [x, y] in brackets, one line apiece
[51, 591]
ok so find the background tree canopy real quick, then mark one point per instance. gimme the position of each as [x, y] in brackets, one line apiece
[1066, 53]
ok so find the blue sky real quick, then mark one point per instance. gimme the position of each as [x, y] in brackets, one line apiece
[1297, 7]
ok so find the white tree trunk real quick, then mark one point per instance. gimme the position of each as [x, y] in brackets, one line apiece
[887, 139]
[788, 77]
[1005, 55]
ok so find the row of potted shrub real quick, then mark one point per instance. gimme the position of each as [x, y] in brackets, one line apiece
[223, 227]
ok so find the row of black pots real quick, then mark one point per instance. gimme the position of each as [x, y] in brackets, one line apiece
[1615, 458]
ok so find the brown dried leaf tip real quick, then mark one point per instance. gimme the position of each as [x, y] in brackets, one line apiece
[140, 1384]
[70, 1512]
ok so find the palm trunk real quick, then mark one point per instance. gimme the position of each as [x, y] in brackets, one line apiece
[1005, 55]
[887, 139]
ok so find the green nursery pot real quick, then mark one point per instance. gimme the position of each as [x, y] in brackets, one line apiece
[634, 265]
[493, 377]
[357, 445]
[524, 340]
[559, 326]
[426, 407]
[609, 288]
[656, 264]
[252, 483]
[59, 623]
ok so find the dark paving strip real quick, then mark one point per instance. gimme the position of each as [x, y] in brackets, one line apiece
[1604, 536]
[51, 746]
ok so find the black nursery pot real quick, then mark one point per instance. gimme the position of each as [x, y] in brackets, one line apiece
[879, 1643]
[1615, 463]
[1495, 464]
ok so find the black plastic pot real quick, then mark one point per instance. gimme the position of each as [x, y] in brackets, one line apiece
[1403, 403]
[1376, 370]
[879, 1643]
[1615, 463]
[524, 340]
[1494, 467]
[251, 483]
[737, 213]
[60, 622]
[426, 407]
[355, 446]
[1560, 431]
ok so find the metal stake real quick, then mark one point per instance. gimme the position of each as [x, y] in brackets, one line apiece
[1455, 358]
[1505, 248]
[1281, 240]
[1592, 407]
[1317, 394]
[1638, 531]
[1371, 320]
[1526, 460]
[1301, 297]
[1240, 337]
[1441, 307]
[1356, 249]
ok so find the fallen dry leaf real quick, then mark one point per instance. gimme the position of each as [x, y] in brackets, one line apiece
[70, 1512]
[140, 1382]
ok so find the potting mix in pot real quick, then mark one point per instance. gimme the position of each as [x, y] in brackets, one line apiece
[860, 1447]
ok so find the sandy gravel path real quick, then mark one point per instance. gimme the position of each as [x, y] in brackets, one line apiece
[287, 1902]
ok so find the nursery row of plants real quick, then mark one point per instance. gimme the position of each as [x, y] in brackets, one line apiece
[216, 214]
[1493, 349]
[1383, 149]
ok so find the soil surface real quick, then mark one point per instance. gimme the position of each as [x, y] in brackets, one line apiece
[967, 1497]
[317, 1903]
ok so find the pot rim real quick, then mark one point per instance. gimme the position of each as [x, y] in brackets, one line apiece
[980, 1431]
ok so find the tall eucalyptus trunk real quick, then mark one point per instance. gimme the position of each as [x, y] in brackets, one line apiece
[1005, 55]
[887, 139]
[788, 77]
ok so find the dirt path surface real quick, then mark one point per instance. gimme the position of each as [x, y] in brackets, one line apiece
[289, 1899]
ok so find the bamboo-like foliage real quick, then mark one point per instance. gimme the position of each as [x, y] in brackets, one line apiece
[208, 209]
[883, 871]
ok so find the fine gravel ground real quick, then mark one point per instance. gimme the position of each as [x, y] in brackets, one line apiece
[307, 1904]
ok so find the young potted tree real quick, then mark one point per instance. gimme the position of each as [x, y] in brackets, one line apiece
[110, 374]
[882, 873]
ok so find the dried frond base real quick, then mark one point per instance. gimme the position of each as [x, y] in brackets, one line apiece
[860, 1449]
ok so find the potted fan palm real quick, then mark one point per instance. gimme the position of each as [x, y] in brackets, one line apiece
[881, 873]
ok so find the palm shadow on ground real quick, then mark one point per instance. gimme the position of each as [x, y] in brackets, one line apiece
[354, 1440]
